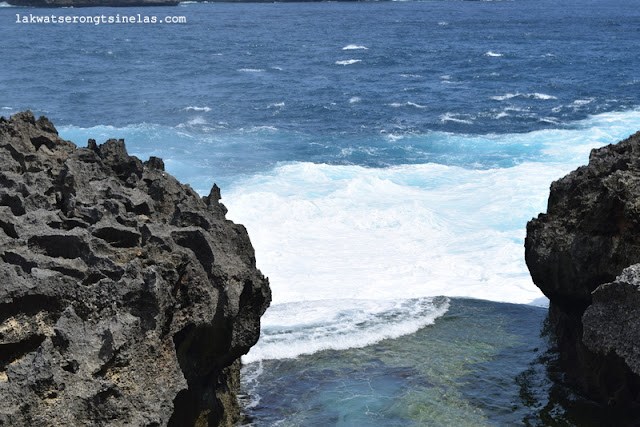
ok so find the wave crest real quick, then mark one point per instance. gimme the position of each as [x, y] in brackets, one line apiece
[348, 61]
[294, 329]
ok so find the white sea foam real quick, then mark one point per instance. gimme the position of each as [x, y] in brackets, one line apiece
[446, 79]
[263, 128]
[346, 152]
[292, 329]
[250, 379]
[411, 76]
[443, 23]
[354, 47]
[404, 232]
[7, 108]
[354, 99]
[196, 121]
[348, 61]
[323, 232]
[276, 105]
[541, 96]
[251, 70]
[583, 101]
[394, 137]
[507, 96]
[5, 4]
[194, 108]
[493, 54]
[536, 95]
[406, 104]
[448, 117]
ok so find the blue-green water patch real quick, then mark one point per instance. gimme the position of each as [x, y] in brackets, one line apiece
[482, 363]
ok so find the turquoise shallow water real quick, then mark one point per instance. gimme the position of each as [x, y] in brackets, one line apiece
[480, 364]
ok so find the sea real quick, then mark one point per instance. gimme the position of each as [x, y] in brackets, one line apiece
[385, 157]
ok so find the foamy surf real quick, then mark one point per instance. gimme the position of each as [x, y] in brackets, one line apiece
[410, 231]
[583, 101]
[536, 95]
[403, 232]
[196, 121]
[406, 104]
[194, 108]
[354, 47]
[348, 61]
[294, 329]
[448, 117]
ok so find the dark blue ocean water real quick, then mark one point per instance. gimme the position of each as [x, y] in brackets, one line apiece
[436, 66]
[380, 154]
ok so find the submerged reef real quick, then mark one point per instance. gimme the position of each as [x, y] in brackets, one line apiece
[125, 297]
[584, 254]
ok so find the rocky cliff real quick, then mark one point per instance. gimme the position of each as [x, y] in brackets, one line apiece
[125, 298]
[588, 237]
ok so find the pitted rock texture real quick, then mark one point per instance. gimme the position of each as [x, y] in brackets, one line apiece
[611, 321]
[125, 298]
[589, 235]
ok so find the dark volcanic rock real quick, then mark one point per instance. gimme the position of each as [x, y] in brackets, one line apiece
[125, 298]
[589, 235]
[611, 321]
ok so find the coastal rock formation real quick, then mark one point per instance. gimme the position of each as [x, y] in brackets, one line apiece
[589, 235]
[125, 298]
[609, 321]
